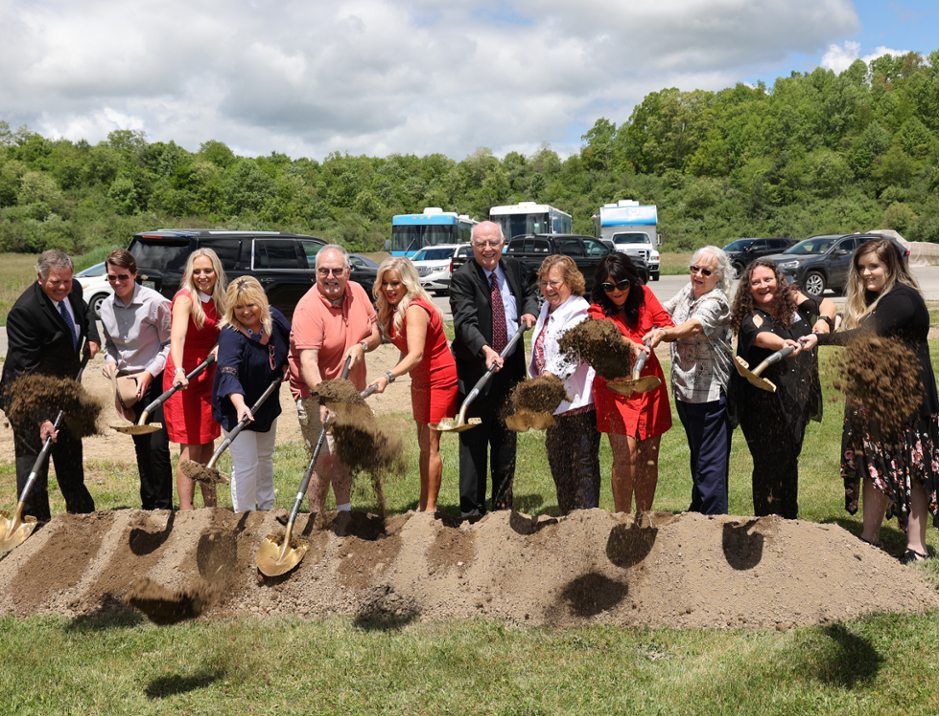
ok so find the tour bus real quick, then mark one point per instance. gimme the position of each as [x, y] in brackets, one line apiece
[530, 218]
[412, 232]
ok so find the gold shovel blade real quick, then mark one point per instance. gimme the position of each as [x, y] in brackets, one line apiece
[276, 557]
[639, 385]
[451, 425]
[743, 368]
[527, 420]
[15, 530]
[138, 429]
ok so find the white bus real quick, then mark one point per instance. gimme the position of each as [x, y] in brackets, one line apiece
[530, 218]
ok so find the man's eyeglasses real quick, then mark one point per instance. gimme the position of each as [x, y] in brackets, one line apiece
[703, 271]
[487, 244]
[119, 277]
[618, 286]
[331, 271]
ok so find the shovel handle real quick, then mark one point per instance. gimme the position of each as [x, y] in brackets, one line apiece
[641, 359]
[244, 421]
[47, 445]
[308, 473]
[368, 391]
[169, 393]
[774, 358]
[492, 369]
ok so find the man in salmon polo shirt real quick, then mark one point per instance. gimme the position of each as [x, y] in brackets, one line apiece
[333, 321]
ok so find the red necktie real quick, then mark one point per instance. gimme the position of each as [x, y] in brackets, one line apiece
[499, 333]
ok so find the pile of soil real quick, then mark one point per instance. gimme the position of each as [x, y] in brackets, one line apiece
[590, 567]
[600, 344]
[882, 374]
[36, 397]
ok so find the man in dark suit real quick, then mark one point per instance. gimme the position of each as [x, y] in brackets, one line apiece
[45, 331]
[489, 300]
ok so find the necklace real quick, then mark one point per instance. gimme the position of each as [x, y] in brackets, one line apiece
[251, 334]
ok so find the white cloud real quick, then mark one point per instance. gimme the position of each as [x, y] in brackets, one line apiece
[308, 77]
[841, 57]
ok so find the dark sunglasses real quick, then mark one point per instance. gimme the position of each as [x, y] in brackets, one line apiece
[618, 286]
[703, 271]
[120, 277]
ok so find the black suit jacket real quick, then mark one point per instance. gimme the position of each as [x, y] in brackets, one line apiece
[38, 338]
[471, 305]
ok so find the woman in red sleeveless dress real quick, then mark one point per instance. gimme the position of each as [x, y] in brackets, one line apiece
[412, 322]
[197, 308]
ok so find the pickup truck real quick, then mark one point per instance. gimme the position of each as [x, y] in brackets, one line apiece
[530, 250]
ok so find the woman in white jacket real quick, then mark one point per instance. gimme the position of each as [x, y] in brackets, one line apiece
[573, 443]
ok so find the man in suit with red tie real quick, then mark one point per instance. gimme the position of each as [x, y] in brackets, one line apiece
[45, 331]
[490, 301]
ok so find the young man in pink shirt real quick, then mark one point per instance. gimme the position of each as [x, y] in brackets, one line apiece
[333, 321]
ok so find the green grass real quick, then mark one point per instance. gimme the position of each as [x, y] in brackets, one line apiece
[881, 664]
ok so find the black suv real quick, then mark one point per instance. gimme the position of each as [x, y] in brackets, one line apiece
[285, 264]
[824, 261]
[742, 251]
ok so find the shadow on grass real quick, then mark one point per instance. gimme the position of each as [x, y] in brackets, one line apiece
[165, 686]
[853, 660]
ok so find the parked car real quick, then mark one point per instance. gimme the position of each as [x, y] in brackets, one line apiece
[95, 286]
[462, 255]
[742, 251]
[285, 264]
[434, 265]
[823, 262]
[364, 272]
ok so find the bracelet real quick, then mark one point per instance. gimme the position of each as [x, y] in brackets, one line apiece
[179, 370]
[390, 376]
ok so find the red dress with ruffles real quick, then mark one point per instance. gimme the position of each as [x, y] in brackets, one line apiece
[188, 413]
[433, 380]
[640, 415]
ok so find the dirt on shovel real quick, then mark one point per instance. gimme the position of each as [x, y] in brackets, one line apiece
[539, 395]
[201, 473]
[600, 344]
[36, 397]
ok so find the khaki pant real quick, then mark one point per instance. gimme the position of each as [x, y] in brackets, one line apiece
[308, 411]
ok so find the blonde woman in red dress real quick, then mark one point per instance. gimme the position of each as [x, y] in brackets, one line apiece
[412, 322]
[197, 308]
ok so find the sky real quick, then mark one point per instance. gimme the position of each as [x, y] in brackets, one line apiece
[376, 77]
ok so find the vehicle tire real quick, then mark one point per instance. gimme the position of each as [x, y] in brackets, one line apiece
[814, 284]
[739, 268]
[655, 276]
[96, 302]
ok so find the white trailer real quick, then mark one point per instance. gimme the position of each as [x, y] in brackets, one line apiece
[633, 229]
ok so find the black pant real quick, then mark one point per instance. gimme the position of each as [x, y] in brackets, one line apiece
[491, 436]
[153, 454]
[573, 446]
[775, 448]
[69, 471]
[709, 434]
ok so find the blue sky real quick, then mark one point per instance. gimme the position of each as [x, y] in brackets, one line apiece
[376, 77]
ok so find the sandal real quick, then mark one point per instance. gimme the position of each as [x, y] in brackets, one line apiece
[911, 555]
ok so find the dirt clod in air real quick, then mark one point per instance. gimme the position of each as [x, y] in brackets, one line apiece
[539, 395]
[340, 390]
[36, 397]
[363, 445]
[882, 374]
[202, 473]
[600, 344]
[166, 606]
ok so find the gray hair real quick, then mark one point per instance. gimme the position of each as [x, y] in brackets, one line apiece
[53, 259]
[725, 280]
[333, 247]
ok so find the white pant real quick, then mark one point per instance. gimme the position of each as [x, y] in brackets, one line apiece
[252, 469]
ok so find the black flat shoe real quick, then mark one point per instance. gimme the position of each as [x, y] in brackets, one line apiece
[911, 555]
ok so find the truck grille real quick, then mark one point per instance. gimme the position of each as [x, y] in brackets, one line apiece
[424, 270]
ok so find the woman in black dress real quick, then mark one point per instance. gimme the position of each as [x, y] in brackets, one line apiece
[899, 469]
[768, 315]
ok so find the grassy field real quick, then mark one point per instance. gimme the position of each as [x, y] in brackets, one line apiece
[882, 664]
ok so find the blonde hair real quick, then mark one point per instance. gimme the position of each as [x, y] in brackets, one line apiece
[888, 254]
[571, 274]
[242, 291]
[408, 275]
[218, 293]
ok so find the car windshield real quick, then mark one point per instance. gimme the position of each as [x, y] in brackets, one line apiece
[633, 237]
[166, 255]
[738, 245]
[434, 255]
[91, 271]
[817, 245]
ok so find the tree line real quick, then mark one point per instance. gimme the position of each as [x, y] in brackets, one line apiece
[818, 152]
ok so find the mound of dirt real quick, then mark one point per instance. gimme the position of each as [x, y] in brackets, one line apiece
[36, 397]
[883, 375]
[600, 344]
[589, 567]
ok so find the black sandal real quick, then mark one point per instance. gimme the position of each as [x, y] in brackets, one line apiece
[911, 555]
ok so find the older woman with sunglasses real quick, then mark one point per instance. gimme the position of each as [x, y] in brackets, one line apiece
[702, 363]
[252, 353]
[634, 423]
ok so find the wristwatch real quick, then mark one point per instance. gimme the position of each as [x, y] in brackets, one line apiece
[391, 377]
[364, 345]
[829, 320]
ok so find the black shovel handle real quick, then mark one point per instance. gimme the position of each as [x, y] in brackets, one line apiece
[244, 421]
[169, 393]
[492, 369]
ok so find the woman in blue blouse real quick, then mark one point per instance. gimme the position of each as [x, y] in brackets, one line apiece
[252, 353]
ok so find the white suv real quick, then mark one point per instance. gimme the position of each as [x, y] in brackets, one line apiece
[434, 265]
